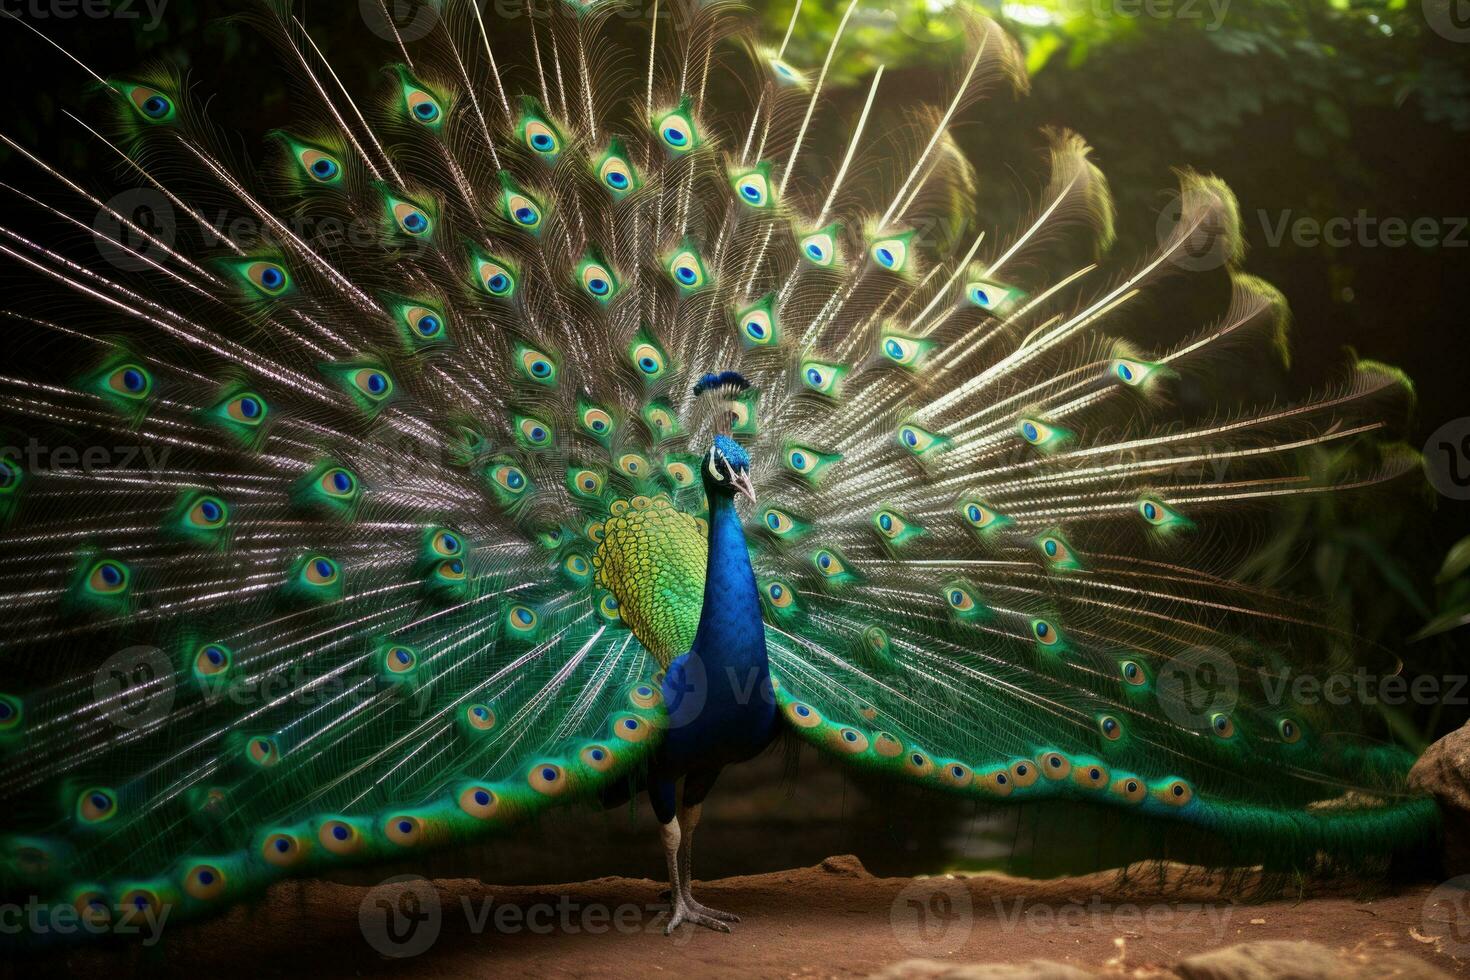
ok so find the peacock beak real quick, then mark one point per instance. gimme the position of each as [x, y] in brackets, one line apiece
[741, 479]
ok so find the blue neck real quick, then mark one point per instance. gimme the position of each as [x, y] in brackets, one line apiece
[731, 632]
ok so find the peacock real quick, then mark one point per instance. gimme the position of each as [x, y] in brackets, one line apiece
[569, 416]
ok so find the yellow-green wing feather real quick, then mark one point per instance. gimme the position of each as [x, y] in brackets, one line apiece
[652, 559]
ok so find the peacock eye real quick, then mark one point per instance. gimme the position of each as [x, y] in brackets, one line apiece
[400, 660]
[1222, 725]
[758, 324]
[1045, 633]
[825, 379]
[902, 350]
[96, 805]
[828, 563]
[151, 103]
[679, 472]
[781, 524]
[320, 571]
[1159, 515]
[599, 282]
[536, 365]
[268, 277]
[819, 248]
[1289, 730]
[373, 383]
[411, 219]
[480, 717]
[785, 73]
[687, 270]
[1133, 673]
[424, 322]
[496, 279]
[891, 253]
[338, 483]
[782, 596]
[510, 479]
[661, 420]
[987, 295]
[322, 167]
[534, 433]
[247, 409]
[960, 599]
[479, 802]
[422, 106]
[616, 174]
[542, 138]
[522, 619]
[1054, 548]
[522, 210]
[208, 513]
[447, 543]
[890, 525]
[130, 381]
[607, 607]
[648, 359]
[1110, 727]
[916, 440]
[576, 566]
[587, 482]
[753, 189]
[1038, 433]
[978, 514]
[211, 659]
[677, 132]
[1129, 372]
[597, 421]
[634, 465]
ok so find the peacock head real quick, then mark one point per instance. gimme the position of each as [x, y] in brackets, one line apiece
[727, 470]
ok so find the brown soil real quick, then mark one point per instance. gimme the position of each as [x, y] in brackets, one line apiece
[831, 920]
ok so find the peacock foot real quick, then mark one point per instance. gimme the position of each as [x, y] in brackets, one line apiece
[705, 910]
[697, 915]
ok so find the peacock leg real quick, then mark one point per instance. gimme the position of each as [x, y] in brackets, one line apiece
[679, 906]
[688, 820]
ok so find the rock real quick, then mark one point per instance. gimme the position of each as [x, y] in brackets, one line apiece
[845, 865]
[1444, 772]
[1300, 961]
[936, 970]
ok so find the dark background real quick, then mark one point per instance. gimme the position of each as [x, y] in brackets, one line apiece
[1310, 110]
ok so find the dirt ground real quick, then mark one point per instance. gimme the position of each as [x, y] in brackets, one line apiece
[832, 920]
